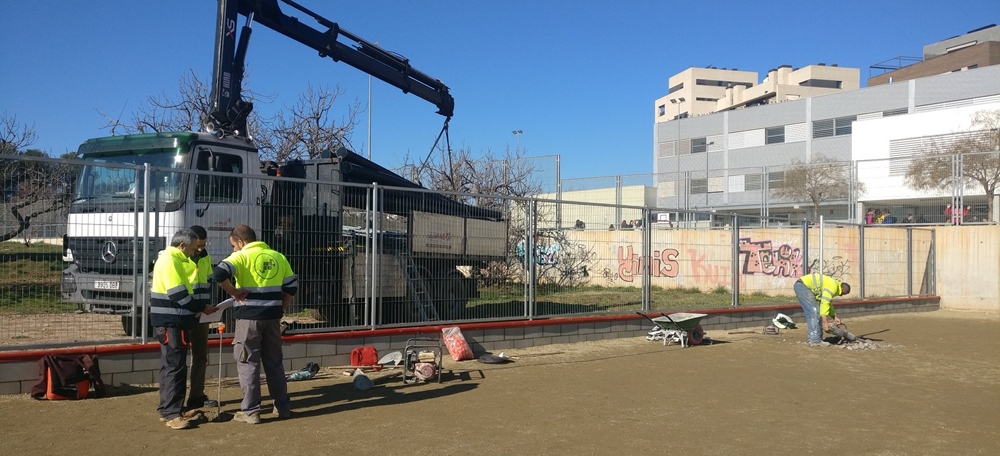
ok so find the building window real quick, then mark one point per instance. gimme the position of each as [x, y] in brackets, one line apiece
[699, 186]
[752, 182]
[894, 112]
[706, 99]
[776, 179]
[699, 145]
[821, 83]
[715, 83]
[774, 135]
[839, 126]
[663, 110]
[675, 88]
[843, 125]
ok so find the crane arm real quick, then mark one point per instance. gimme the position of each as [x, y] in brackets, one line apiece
[230, 111]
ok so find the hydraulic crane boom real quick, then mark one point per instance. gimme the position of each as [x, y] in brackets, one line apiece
[230, 111]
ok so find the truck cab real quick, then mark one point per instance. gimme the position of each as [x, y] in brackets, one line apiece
[399, 248]
[107, 227]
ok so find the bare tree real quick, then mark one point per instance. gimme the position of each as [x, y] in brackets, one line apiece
[30, 188]
[307, 129]
[491, 176]
[15, 136]
[975, 149]
[188, 112]
[303, 130]
[821, 180]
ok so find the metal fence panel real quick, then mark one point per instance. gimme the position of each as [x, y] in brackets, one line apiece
[371, 256]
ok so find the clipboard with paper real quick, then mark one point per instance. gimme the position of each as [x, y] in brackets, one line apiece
[217, 315]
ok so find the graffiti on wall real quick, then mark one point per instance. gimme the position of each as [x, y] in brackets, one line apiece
[664, 263]
[630, 263]
[761, 257]
[837, 267]
[758, 258]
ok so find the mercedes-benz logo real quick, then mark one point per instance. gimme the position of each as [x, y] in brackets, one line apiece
[109, 252]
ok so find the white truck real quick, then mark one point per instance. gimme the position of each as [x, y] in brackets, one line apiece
[362, 257]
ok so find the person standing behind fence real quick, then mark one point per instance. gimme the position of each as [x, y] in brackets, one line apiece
[199, 334]
[870, 217]
[172, 310]
[814, 287]
[955, 215]
[266, 287]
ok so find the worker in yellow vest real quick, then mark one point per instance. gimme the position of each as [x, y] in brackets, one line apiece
[173, 311]
[266, 287]
[815, 293]
[202, 292]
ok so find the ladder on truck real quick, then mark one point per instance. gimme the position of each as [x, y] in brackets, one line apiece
[417, 286]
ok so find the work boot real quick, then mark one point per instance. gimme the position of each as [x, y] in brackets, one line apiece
[188, 414]
[821, 343]
[178, 423]
[248, 418]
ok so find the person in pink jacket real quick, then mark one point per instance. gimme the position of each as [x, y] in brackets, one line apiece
[956, 215]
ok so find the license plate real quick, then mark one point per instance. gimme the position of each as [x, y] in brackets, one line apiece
[107, 285]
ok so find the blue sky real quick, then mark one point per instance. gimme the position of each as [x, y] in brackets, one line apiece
[578, 78]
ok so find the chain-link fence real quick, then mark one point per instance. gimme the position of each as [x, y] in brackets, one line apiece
[392, 254]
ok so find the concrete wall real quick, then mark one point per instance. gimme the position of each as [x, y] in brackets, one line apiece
[138, 364]
[968, 267]
[770, 259]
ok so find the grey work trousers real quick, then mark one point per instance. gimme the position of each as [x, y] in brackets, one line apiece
[256, 344]
[199, 361]
[173, 370]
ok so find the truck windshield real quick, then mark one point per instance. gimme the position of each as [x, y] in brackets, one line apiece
[105, 181]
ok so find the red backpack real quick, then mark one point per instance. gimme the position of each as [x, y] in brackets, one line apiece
[365, 355]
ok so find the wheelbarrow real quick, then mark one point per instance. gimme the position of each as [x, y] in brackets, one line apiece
[681, 327]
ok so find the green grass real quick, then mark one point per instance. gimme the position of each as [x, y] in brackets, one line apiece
[29, 285]
[32, 286]
[33, 299]
[19, 247]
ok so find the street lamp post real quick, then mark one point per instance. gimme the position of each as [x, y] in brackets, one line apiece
[677, 153]
[518, 133]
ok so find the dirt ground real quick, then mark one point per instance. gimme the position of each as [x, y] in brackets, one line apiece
[59, 328]
[932, 388]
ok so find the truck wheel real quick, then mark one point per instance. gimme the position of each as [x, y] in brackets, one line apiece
[450, 296]
[127, 327]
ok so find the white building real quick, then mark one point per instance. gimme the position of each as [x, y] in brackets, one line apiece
[728, 159]
[882, 147]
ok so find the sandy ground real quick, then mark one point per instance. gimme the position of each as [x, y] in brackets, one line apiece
[934, 388]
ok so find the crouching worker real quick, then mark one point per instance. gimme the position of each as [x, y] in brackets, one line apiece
[815, 293]
[172, 311]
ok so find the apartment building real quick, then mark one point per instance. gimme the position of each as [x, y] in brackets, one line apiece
[975, 49]
[728, 160]
[700, 91]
